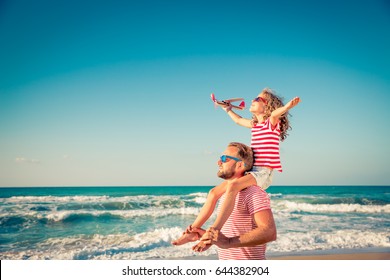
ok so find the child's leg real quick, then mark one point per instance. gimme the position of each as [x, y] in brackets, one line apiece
[233, 188]
[208, 208]
[206, 211]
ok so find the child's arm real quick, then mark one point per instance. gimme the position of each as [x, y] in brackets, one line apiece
[237, 118]
[277, 113]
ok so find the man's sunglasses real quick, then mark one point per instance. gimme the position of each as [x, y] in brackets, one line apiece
[225, 157]
[257, 99]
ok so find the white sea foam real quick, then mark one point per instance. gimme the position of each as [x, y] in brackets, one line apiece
[54, 199]
[200, 200]
[155, 199]
[57, 216]
[289, 206]
[161, 206]
[176, 201]
[154, 244]
[275, 194]
[54, 208]
[341, 239]
[150, 212]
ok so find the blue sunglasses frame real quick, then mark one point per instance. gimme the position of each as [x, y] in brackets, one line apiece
[224, 157]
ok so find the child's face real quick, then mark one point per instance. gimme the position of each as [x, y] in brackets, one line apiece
[258, 104]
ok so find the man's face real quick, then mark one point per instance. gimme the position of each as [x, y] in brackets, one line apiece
[228, 169]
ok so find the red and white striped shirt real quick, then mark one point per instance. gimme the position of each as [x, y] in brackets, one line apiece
[248, 202]
[265, 145]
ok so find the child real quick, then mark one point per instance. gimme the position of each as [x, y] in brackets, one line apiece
[269, 124]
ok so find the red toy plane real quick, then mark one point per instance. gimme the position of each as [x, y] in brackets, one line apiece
[226, 102]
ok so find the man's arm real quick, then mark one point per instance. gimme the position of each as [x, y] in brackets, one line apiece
[264, 233]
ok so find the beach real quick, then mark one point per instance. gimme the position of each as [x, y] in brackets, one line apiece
[346, 254]
[360, 254]
[139, 223]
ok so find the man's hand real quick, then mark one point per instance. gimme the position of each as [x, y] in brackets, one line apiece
[200, 246]
[264, 232]
[216, 237]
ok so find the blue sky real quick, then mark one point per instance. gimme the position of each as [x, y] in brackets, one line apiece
[97, 93]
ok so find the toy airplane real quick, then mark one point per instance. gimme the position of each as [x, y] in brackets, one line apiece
[227, 102]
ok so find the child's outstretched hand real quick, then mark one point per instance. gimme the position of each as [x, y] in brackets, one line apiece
[227, 107]
[293, 102]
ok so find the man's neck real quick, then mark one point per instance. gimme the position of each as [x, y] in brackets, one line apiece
[235, 177]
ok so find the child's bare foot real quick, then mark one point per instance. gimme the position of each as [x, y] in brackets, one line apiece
[185, 238]
[201, 247]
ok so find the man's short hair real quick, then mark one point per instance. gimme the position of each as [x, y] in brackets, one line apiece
[245, 153]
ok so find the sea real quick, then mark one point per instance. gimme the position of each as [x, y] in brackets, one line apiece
[111, 223]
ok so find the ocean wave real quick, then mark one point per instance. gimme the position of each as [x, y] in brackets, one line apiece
[123, 202]
[317, 240]
[88, 198]
[57, 216]
[154, 244]
[193, 200]
[53, 199]
[291, 206]
[275, 195]
[151, 212]
[12, 223]
[55, 213]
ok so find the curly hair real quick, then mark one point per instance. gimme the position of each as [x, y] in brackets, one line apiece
[273, 102]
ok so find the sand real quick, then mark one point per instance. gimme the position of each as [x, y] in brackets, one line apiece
[348, 254]
[357, 256]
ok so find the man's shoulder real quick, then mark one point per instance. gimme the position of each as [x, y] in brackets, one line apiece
[253, 189]
[255, 199]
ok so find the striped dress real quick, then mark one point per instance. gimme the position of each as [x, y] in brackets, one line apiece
[265, 145]
[248, 202]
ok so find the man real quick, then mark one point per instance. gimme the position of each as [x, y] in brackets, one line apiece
[251, 224]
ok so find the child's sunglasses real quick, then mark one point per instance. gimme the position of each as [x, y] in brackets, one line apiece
[257, 99]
